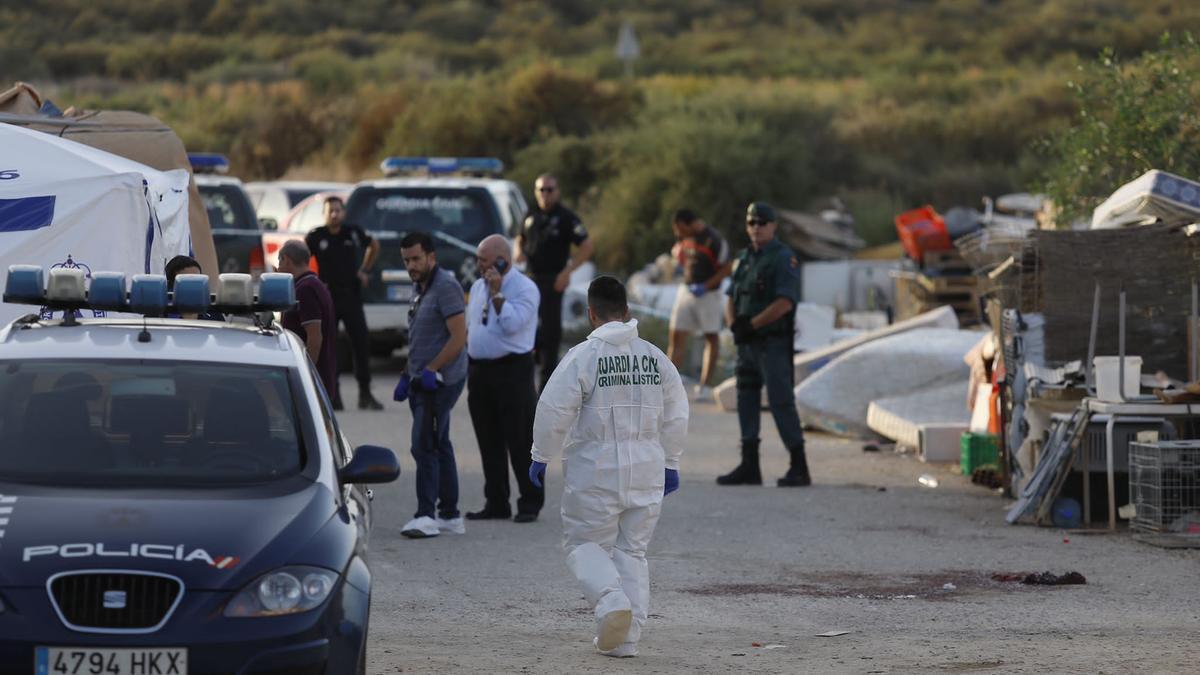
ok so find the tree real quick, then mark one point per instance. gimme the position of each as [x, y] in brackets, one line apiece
[1132, 117]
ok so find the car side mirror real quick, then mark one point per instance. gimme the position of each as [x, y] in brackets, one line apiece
[268, 224]
[371, 464]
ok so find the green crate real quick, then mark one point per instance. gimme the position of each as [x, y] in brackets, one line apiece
[978, 450]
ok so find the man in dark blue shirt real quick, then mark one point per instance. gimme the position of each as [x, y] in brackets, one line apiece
[345, 254]
[544, 243]
[432, 382]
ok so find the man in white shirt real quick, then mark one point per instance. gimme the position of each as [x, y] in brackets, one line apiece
[502, 318]
[616, 408]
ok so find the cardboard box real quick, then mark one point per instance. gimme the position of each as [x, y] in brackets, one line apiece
[940, 442]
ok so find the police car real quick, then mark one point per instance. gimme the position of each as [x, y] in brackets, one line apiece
[457, 200]
[237, 237]
[176, 496]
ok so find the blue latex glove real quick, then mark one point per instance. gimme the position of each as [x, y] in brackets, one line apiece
[698, 289]
[429, 381]
[670, 482]
[401, 391]
[537, 473]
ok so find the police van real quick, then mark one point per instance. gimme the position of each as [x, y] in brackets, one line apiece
[457, 201]
[235, 228]
[176, 496]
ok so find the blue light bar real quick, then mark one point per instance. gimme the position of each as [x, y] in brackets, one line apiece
[276, 292]
[26, 285]
[191, 293]
[148, 294]
[107, 292]
[393, 166]
[208, 162]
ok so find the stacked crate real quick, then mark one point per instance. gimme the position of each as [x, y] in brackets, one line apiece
[945, 279]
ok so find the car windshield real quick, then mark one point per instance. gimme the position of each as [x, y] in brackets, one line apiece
[148, 423]
[463, 213]
[228, 207]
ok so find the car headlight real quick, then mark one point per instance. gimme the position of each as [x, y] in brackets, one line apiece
[289, 590]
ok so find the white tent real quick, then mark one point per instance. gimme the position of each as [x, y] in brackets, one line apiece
[63, 203]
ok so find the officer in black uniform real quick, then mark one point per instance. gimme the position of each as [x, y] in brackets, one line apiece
[544, 243]
[345, 254]
[761, 309]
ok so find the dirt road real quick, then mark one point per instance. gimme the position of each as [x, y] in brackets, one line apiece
[866, 550]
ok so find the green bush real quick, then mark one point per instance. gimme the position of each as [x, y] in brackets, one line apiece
[1133, 117]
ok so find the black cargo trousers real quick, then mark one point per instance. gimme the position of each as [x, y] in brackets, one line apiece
[348, 306]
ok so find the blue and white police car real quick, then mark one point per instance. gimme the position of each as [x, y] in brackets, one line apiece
[176, 496]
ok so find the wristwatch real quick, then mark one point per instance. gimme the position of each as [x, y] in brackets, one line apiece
[498, 296]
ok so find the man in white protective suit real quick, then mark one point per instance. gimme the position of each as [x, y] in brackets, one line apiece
[617, 408]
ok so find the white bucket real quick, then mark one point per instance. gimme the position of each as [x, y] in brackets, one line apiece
[1108, 373]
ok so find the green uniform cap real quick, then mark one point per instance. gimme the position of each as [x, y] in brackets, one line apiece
[762, 211]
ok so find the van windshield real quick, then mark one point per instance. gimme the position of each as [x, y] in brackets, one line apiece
[468, 214]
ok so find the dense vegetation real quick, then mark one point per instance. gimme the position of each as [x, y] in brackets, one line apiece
[886, 103]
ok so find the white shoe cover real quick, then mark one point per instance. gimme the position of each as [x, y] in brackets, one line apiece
[452, 525]
[614, 626]
[598, 576]
[621, 651]
[635, 581]
[420, 528]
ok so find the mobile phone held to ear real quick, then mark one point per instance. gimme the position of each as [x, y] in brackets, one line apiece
[501, 265]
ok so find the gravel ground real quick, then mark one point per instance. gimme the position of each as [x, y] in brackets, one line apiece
[743, 579]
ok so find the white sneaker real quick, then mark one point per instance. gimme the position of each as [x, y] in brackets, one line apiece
[452, 525]
[621, 651]
[420, 528]
[614, 626]
[702, 393]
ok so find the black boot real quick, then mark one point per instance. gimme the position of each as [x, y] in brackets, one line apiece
[367, 402]
[747, 472]
[797, 475]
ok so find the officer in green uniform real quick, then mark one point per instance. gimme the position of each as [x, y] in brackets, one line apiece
[761, 309]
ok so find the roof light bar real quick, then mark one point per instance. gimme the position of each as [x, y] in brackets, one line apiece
[235, 290]
[276, 291]
[107, 292]
[394, 166]
[68, 289]
[25, 285]
[208, 162]
[67, 286]
[148, 294]
[191, 293]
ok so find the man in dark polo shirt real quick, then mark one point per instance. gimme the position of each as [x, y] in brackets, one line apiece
[432, 382]
[544, 244]
[313, 317]
[345, 254]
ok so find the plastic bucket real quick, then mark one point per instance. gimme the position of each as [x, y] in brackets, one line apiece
[1108, 374]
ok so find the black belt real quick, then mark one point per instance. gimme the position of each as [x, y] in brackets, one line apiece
[511, 358]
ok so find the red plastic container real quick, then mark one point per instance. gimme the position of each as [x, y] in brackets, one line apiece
[922, 230]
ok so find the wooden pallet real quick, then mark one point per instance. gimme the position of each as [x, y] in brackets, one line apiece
[948, 262]
[917, 293]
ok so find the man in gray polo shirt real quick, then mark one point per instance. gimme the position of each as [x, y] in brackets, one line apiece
[432, 383]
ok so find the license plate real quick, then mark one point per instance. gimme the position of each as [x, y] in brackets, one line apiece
[401, 293]
[88, 661]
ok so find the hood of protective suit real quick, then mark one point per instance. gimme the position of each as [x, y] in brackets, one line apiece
[616, 332]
